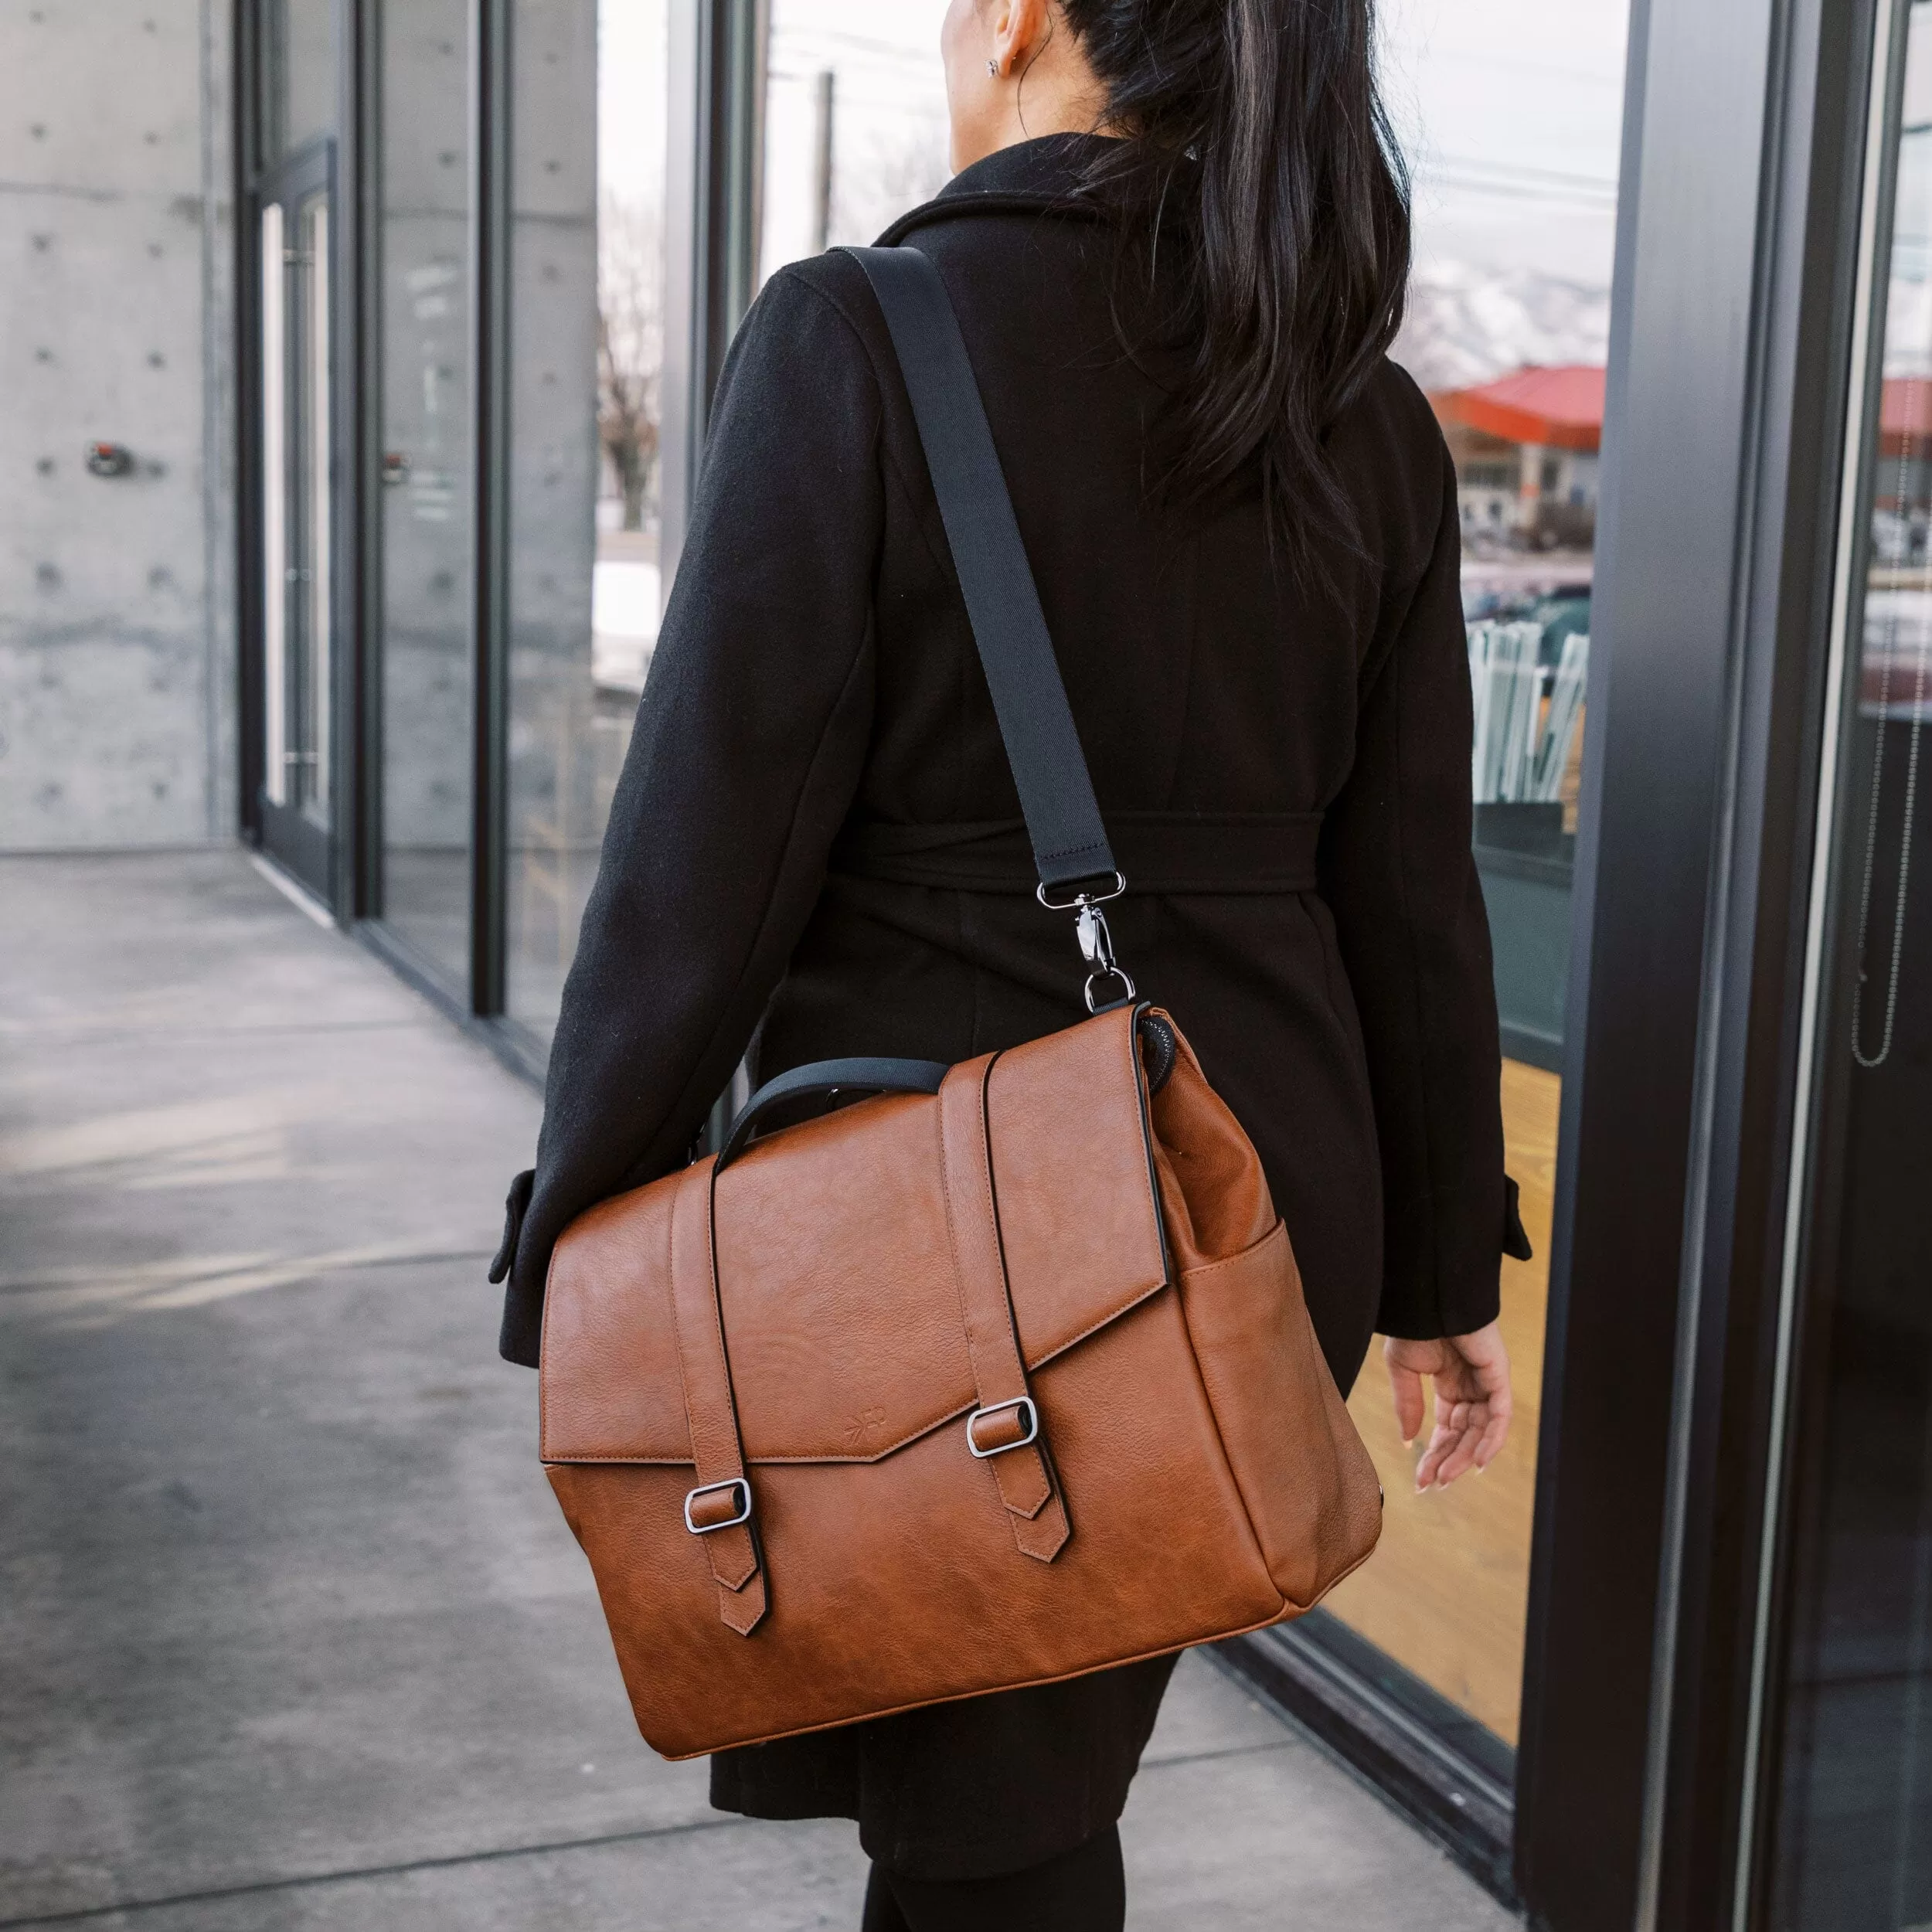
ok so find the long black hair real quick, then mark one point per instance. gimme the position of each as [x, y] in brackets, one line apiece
[1257, 144]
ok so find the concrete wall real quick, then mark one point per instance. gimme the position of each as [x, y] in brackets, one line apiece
[117, 596]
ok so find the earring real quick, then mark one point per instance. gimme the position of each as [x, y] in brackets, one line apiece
[992, 67]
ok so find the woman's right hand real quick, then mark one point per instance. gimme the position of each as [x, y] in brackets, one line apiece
[1473, 1401]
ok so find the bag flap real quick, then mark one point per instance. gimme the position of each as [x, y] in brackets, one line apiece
[841, 1312]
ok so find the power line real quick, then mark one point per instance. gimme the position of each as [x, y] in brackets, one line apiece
[931, 106]
[1523, 171]
[1472, 176]
[1612, 76]
[897, 54]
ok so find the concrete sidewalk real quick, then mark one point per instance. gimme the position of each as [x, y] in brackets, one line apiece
[293, 1634]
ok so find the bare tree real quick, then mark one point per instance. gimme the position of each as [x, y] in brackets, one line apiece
[629, 345]
[899, 167]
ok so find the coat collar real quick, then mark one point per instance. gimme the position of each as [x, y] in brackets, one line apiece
[1045, 176]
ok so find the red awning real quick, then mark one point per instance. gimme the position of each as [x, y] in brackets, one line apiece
[1905, 414]
[1561, 406]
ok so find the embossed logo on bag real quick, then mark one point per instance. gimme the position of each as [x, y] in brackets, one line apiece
[862, 1428]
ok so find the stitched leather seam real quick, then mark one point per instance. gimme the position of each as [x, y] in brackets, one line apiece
[952, 1239]
[542, 1380]
[732, 1446]
[1106, 1321]
[979, 1145]
[1144, 1105]
[1200, 1379]
[717, 1324]
[1227, 1461]
[892, 1448]
[952, 1232]
[1233, 1261]
[677, 1330]
[984, 1139]
[1210, 1635]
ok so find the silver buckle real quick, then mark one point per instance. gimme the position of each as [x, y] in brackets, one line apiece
[712, 1489]
[1080, 898]
[1000, 1409]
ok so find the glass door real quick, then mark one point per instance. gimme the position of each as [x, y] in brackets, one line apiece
[1510, 114]
[297, 516]
[427, 433]
[1849, 1828]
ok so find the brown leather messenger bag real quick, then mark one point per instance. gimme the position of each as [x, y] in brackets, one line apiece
[999, 1376]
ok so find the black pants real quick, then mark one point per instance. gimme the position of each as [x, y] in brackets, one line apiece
[1083, 1890]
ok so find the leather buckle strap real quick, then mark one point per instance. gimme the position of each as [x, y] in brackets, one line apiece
[1015, 1425]
[1005, 1430]
[719, 1507]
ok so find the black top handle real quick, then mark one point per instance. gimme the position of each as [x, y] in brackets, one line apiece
[1077, 873]
[824, 1079]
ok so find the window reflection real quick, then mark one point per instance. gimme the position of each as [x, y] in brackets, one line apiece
[855, 133]
[297, 74]
[427, 414]
[587, 280]
[1510, 112]
[855, 128]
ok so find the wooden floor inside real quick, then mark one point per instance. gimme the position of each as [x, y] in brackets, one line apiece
[1446, 1594]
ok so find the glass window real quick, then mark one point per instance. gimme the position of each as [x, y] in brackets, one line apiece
[1510, 112]
[275, 547]
[1852, 1842]
[855, 130]
[293, 444]
[427, 417]
[587, 286]
[298, 75]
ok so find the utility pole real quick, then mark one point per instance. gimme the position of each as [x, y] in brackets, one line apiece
[821, 170]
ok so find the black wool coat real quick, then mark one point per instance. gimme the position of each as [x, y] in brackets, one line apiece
[815, 850]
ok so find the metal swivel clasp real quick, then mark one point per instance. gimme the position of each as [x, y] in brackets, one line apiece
[1097, 942]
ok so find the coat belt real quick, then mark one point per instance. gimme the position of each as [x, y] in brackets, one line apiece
[1170, 853]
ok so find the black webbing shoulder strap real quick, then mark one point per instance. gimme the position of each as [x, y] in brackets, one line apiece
[1043, 748]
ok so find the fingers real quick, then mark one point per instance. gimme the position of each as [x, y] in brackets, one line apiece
[1469, 1431]
[1467, 1436]
[1451, 1450]
[1432, 1458]
[1489, 1363]
[1474, 1405]
[1493, 1436]
[1461, 1458]
[1405, 1384]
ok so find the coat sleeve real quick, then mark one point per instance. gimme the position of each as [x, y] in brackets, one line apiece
[1400, 879]
[747, 750]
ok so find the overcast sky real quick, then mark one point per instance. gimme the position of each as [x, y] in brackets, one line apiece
[1511, 113]
[1509, 109]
